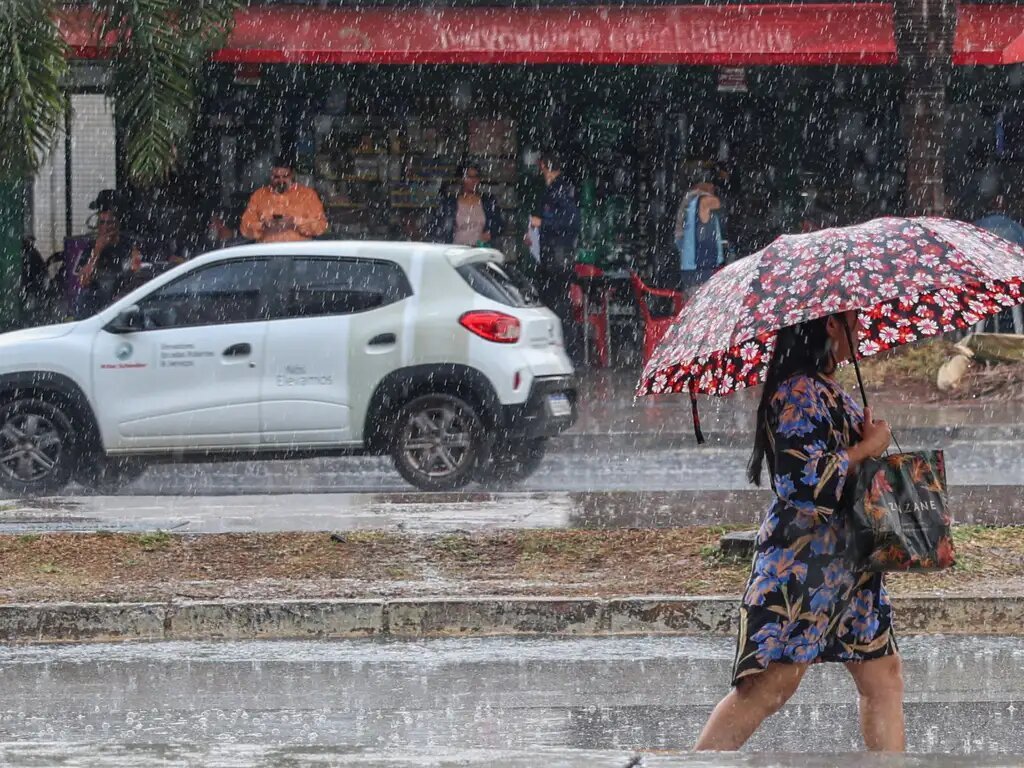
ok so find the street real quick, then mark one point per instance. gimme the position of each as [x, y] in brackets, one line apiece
[651, 488]
[428, 698]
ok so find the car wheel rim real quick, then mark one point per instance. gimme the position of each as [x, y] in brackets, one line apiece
[437, 441]
[30, 447]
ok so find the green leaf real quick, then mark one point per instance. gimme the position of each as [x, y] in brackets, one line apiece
[33, 65]
[160, 51]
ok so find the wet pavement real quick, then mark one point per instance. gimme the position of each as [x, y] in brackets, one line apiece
[426, 513]
[93, 755]
[659, 488]
[965, 696]
[623, 469]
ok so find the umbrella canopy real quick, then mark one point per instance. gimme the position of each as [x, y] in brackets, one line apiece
[1002, 225]
[909, 279]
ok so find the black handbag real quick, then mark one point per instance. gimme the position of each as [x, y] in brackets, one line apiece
[897, 520]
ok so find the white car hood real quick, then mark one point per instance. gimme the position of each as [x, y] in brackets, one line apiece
[37, 334]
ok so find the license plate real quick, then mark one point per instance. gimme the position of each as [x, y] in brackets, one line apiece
[559, 405]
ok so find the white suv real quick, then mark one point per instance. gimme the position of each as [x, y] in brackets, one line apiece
[434, 354]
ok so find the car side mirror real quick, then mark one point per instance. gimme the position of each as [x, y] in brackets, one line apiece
[127, 320]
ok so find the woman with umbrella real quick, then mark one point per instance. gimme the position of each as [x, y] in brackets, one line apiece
[787, 317]
[803, 602]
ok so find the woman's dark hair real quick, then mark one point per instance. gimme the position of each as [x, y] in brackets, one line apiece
[799, 349]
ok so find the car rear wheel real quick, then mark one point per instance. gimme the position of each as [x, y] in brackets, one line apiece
[37, 447]
[438, 442]
[514, 463]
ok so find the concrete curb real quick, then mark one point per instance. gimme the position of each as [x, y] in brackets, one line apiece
[451, 617]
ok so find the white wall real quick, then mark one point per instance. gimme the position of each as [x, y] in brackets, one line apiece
[93, 167]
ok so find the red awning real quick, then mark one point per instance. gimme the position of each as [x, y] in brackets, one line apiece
[989, 34]
[843, 33]
[762, 34]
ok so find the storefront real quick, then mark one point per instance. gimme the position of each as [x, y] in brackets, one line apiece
[381, 142]
[785, 103]
[792, 110]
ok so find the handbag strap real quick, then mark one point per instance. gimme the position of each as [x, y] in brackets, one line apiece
[856, 367]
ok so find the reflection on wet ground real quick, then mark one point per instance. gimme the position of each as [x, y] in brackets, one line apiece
[620, 469]
[964, 695]
[437, 512]
[97, 755]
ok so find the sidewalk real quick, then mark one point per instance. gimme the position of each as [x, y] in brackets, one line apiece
[95, 755]
[610, 411]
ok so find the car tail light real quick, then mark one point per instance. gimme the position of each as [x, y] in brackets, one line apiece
[493, 326]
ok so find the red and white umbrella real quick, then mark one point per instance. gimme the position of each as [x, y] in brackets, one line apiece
[909, 279]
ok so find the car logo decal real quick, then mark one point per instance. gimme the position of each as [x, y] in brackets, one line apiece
[123, 351]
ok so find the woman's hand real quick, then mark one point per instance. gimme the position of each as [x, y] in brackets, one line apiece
[875, 439]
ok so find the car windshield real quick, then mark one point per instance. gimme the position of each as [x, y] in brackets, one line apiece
[502, 285]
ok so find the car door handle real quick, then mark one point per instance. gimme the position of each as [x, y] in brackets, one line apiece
[382, 339]
[238, 350]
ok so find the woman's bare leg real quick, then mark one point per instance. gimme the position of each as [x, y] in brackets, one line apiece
[755, 698]
[880, 685]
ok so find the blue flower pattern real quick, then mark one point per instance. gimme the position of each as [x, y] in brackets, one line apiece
[803, 603]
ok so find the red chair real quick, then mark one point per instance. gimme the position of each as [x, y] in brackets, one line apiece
[654, 326]
[592, 315]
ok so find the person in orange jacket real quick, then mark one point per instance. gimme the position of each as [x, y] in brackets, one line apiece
[284, 211]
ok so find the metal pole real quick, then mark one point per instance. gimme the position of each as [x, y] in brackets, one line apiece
[68, 197]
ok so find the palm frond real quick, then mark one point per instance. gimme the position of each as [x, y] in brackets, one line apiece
[33, 65]
[161, 48]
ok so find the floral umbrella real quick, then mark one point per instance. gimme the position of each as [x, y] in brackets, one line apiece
[909, 279]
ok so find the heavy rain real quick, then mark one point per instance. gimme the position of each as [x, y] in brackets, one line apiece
[511, 383]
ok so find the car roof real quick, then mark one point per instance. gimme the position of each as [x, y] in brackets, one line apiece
[400, 252]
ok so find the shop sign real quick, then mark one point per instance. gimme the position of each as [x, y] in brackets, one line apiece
[732, 80]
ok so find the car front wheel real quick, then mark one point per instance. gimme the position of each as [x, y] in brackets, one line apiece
[37, 447]
[438, 442]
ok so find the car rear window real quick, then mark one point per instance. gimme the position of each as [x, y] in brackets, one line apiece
[499, 284]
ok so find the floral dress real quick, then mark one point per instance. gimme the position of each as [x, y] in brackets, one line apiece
[803, 602]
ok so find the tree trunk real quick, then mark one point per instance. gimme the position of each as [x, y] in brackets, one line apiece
[12, 221]
[924, 46]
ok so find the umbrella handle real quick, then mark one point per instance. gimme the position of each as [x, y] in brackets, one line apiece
[856, 367]
[853, 356]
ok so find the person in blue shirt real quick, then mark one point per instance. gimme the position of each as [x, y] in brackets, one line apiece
[698, 236]
[557, 216]
[1000, 223]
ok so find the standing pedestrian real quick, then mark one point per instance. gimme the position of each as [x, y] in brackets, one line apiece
[470, 217]
[803, 602]
[557, 218]
[998, 221]
[698, 236]
[284, 211]
[107, 269]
